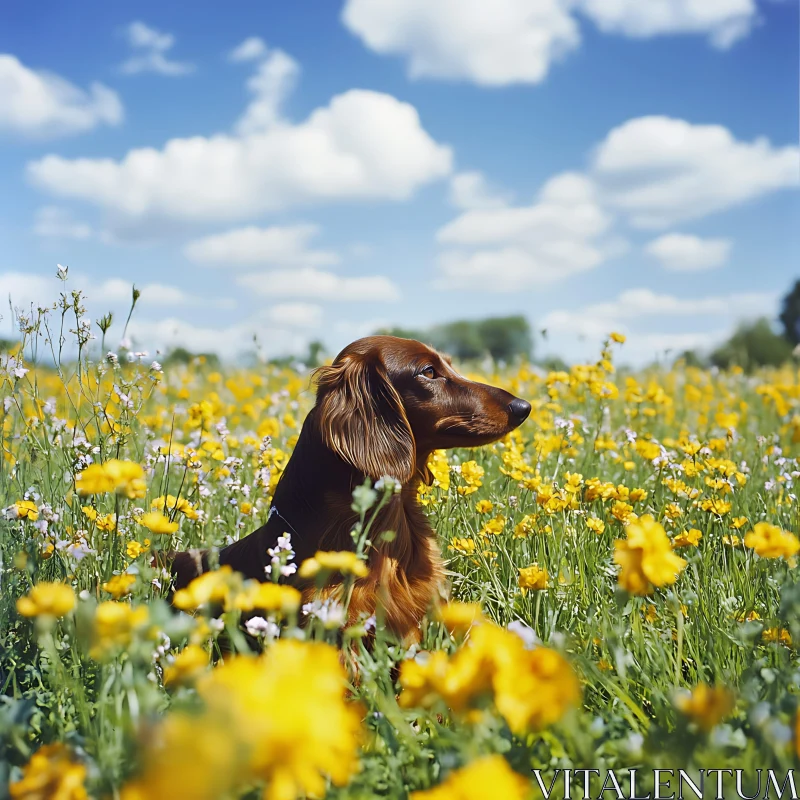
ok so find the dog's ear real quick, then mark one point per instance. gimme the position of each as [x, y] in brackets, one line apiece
[361, 418]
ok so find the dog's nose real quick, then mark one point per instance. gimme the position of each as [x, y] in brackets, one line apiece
[519, 409]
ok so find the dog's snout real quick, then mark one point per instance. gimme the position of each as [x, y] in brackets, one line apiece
[519, 409]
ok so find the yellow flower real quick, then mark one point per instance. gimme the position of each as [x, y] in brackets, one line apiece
[595, 525]
[128, 478]
[524, 527]
[439, 469]
[690, 538]
[622, 511]
[209, 589]
[47, 599]
[94, 480]
[267, 597]
[777, 636]
[167, 503]
[484, 506]
[324, 562]
[458, 618]
[769, 541]
[617, 337]
[51, 774]
[731, 541]
[715, 505]
[191, 662]
[531, 688]
[706, 706]
[493, 526]
[123, 477]
[281, 718]
[119, 585]
[738, 522]
[135, 549]
[104, 522]
[26, 509]
[489, 776]
[156, 522]
[533, 578]
[465, 546]
[114, 625]
[646, 558]
[472, 475]
[246, 508]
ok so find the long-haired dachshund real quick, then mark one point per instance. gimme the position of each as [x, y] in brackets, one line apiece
[382, 407]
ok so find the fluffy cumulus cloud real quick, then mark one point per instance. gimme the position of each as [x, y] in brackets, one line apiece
[577, 332]
[275, 246]
[512, 247]
[228, 341]
[507, 41]
[150, 52]
[316, 284]
[363, 144]
[661, 171]
[39, 103]
[682, 252]
[723, 21]
[295, 315]
[54, 222]
[471, 190]
[251, 49]
[517, 41]
[650, 172]
[272, 82]
[24, 290]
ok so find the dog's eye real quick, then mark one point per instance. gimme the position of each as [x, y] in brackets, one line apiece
[428, 372]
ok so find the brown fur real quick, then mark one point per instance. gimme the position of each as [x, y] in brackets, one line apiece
[376, 414]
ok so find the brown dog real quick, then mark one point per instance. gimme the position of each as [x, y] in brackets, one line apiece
[383, 406]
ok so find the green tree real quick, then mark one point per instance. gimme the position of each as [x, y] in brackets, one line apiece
[506, 338]
[753, 345]
[790, 314]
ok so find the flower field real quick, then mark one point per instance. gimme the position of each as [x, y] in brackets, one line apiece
[622, 569]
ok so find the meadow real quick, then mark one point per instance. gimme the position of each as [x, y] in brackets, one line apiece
[622, 571]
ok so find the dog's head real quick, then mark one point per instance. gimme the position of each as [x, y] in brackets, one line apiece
[385, 403]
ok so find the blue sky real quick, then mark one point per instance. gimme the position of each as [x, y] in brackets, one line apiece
[317, 169]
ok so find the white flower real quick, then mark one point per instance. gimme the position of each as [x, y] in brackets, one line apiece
[62, 272]
[527, 634]
[328, 612]
[258, 626]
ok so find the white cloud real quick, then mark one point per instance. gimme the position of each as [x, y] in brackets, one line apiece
[517, 41]
[363, 144]
[576, 333]
[228, 341]
[470, 190]
[509, 248]
[295, 315]
[724, 21]
[685, 253]
[507, 41]
[662, 171]
[317, 284]
[39, 103]
[23, 290]
[251, 49]
[57, 223]
[113, 294]
[273, 81]
[634, 303]
[276, 246]
[151, 47]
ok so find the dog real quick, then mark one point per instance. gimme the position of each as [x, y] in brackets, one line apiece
[382, 407]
